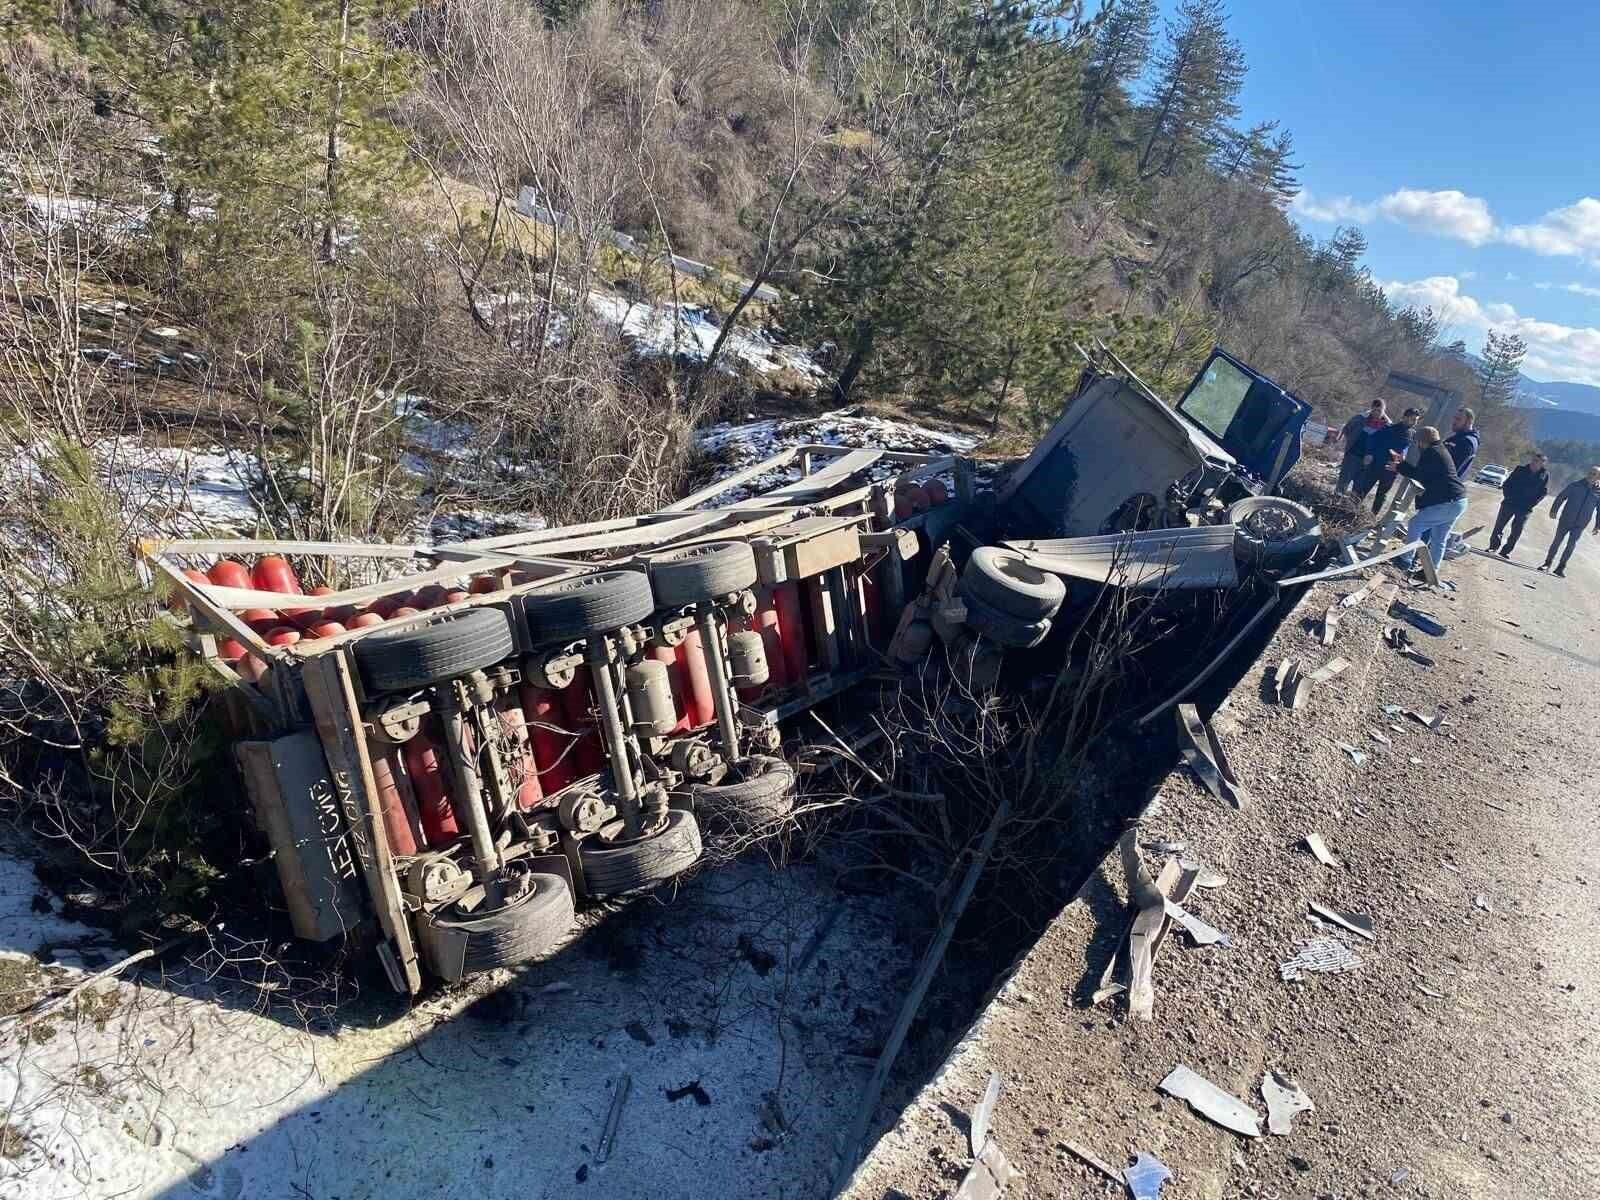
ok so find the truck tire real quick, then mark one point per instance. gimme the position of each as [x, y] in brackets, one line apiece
[1273, 534]
[595, 603]
[695, 573]
[534, 923]
[1009, 585]
[1000, 627]
[612, 868]
[400, 660]
[759, 801]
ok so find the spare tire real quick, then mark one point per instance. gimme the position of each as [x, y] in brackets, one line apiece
[532, 924]
[989, 622]
[399, 660]
[1273, 534]
[692, 574]
[612, 868]
[762, 798]
[1005, 581]
[599, 602]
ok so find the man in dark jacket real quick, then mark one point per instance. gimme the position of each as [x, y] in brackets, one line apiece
[1354, 435]
[1576, 505]
[1443, 498]
[1520, 495]
[1463, 441]
[1379, 452]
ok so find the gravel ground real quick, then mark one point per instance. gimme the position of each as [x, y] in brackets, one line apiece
[1482, 1085]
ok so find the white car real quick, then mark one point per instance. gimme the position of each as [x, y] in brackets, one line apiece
[1493, 475]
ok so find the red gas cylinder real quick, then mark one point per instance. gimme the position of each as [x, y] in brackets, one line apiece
[577, 704]
[325, 629]
[260, 619]
[430, 597]
[701, 702]
[364, 620]
[273, 573]
[791, 630]
[541, 711]
[767, 624]
[405, 610]
[675, 679]
[937, 492]
[455, 597]
[230, 650]
[429, 771]
[176, 602]
[908, 501]
[483, 584]
[283, 636]
[225, 572]
[386, 605]
[307, 617]
[523, 767]
[397, 818]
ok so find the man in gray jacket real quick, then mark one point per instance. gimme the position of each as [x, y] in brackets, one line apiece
[1577, 505]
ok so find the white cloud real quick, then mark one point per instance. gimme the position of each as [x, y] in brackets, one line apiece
[1570, 232]
[1330, 208]
[1554, 351]
[1448, 214]
[1577, 289]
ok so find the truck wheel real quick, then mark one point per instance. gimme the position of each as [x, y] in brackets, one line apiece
[534, 923]
[611, 868]
[1000, 627]
[695, 573]
[1273, 534]
[1006, 583]
[399, 660]
[758, 801]
[595, 603]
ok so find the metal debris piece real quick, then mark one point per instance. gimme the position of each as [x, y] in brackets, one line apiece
[1326, 672]
[1394, 710]
[1166, 847]
[1356, 597]
[1205, 877]
[1314, 843]
[1330, 624]
[1320, 956]
[1381, 738]
[978, 1131]
[1084, 1154]
[1285, 1101]
[988, 1176]
[1419, 619]
[1351, 568]
[1356, 756]
[608, 1136]
[1482, 902]
[1428, 991]
[1434, 723]
[1414, 761]
[1354, 922]
[1449, 866]
[1145, 1177]
[1211, 1102]
[1283, 680]
[1203, 753]
[1202, 933]
[1400, 1176]
[1497, 807]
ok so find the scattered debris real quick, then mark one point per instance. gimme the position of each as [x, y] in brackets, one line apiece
[1428, 991]
[1203, 752]
[1166, 847]
[988, 1176]
[1314, 843]
[1330, 624]
[1498, 807]
[1145, 1177]
[1381, 738]
[1398, 639]
[1084, 1154]
[1202, 933]
[1400, 1176]
[1482, 902]
[1419, 619]
[1354, 922]
[1351, 568]
[1283, 680]
[1356, 597]
[1356, 756]
[978, 1131]
[608, 1136]
[1211, 1102]
[1414, 761]
[1326, 672]
[1449, 866]
[1321, 956]
[1435, 723]
[1284, 1100]
[1210, 879]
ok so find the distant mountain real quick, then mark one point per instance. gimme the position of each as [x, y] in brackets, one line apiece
[1564, 424]
[1580, 397]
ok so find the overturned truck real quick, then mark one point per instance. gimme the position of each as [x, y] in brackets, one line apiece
[453, 756]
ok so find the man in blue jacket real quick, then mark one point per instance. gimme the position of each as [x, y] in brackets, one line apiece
[1463, 441]
[1379, 451]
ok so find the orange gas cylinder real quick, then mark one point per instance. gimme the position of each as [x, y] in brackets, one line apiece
[225, 572]
[669, 655]
[541, 712]
[577, 703]
[523, 767]
[701, 704]
[429, 772]
[791, 630]
[364, 620]
[398, 822]
[272, 573]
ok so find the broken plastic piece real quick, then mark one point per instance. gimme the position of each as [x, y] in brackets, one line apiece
[1354, 922]
[1145, 1177]
[1211, 1102]
[1284, 1100]
[1314, 843]
[1321, 956]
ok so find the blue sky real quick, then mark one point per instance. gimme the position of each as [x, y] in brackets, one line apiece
[1464, 139]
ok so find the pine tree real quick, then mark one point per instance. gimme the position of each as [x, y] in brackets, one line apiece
[1194, 99]
[1117, 57]
[1261, 157]
[1500, 368]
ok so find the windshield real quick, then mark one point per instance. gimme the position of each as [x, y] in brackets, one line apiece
[1216, 397]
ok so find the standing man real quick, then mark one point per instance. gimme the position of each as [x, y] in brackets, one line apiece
[1379, 453]
[1521, 493]
[1576, 505]
[1354, 435]
[1463, 441]
[1443, 498]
